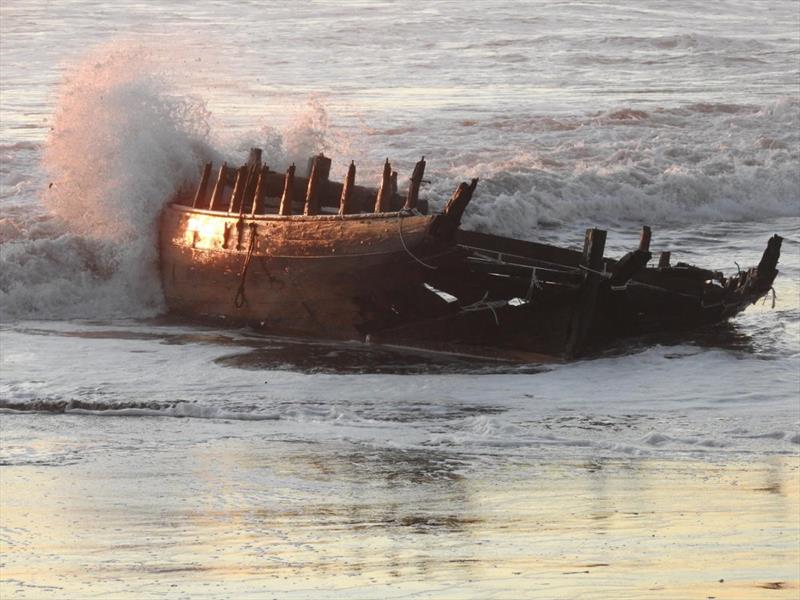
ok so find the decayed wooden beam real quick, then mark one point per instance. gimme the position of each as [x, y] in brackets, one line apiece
[458, 202]
[346, 199]
[253, 172]
[447, 224]
[238, 190]
[583, 316]
[315, 183]
[323, 166]
[663, 260]
[413, 189]
[219, 188]
[261, 191]
[769, 260]
[254, 159]
[288, 192]
[384, 196]
[200, 194]
[533, 250]
[644, 240]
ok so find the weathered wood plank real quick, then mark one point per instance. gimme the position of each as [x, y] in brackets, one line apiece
[412, 197]
[287, 197]
[584, 311]
[319, 165]
[534, 250]
[238, 190]
[217, 197]
[260, 192]
[346, 198]
[644, 239]
[200, 195]
[384, 195]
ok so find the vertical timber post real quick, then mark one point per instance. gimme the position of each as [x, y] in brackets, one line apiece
[323, 166]
[261, 191]
[663, 260]
[238, 190]
[583, 316]
[413, 188]
[288, 193]
[346, 199]
[219, 188]
[253, 172]
[254, 159]
[644, 240]
[200, 195]
[384, 196]
[317, 178]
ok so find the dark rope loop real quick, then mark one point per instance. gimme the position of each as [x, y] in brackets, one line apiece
[240, 300]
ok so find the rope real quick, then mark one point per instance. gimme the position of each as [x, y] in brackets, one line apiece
[605, 274]
[483, 304]
[485, 251]
[534, 284]
[239, 300]
[403, 241]
[483, 258]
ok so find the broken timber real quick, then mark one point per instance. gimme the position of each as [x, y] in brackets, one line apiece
[313, 257]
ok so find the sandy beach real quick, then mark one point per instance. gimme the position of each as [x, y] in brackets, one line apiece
[224, 511]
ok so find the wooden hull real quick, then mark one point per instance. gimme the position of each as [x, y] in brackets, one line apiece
[412, 279]
[318, 276]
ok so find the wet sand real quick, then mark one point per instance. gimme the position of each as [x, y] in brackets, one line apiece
[102, 507]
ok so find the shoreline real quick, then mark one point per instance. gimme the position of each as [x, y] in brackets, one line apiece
[227, 510]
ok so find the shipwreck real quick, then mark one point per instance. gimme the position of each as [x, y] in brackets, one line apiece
[311, 257]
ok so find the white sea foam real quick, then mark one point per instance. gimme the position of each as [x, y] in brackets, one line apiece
[666, 166]
[122, 143]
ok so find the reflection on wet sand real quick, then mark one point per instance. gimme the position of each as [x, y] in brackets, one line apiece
[244, 515]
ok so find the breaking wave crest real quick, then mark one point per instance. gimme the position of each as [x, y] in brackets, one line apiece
[121, 143]
[124, 140]
[700, 162]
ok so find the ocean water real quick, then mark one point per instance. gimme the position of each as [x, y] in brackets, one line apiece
[323, 469]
